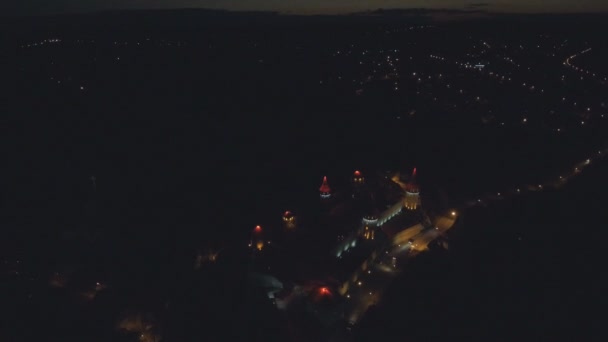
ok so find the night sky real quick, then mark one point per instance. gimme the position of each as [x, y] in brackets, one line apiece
[9, 7]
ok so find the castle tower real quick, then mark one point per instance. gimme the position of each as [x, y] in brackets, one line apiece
[358, 178]
[412, 193]
[289, 220]
[370, 211]
[325, 190]
[358, 184]
[257, 239]
[370, 217]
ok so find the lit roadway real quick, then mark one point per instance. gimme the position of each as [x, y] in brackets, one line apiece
[404, 236]
[556, 182]
[368, 287]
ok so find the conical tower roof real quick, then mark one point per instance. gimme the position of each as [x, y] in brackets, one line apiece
[325, 187]
[412, 185]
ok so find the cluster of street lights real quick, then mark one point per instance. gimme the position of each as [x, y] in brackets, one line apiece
[41, 43]
[525, 85]
[568, 63]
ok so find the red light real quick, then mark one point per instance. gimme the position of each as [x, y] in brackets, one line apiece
[287, 213]
[357, 173]
[324, 290]
[325, 187]
[258, 229]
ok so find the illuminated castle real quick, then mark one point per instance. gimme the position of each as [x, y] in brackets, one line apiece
[289, 220]
[325, 190]
[412, 193]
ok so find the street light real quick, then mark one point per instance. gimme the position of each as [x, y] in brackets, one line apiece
[453, 213]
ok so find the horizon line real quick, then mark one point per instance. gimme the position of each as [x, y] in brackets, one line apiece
[407, 12]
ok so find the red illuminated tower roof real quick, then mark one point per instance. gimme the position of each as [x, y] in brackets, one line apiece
[323, 296]
[412, 185]
[325, 187]
[257, 229]
[357, 173]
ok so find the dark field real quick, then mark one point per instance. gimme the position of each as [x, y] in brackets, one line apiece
[195, 134]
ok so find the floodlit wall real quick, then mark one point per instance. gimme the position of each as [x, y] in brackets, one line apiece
[390, 213]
